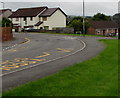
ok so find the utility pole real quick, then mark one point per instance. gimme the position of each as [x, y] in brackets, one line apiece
[3, 7]
[118, 22]
[83, 18]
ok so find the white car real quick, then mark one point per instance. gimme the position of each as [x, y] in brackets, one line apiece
[27, 29]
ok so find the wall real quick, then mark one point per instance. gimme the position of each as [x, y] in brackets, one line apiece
[91, 31]
[6, 33]
[6, 14]
[107, 31]
[58, 19]
[21, 21]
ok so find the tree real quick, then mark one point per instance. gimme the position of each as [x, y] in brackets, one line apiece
[5, 22]
[77, 24]
[99, 17]
[116, 18]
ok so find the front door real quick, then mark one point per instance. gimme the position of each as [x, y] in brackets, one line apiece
[103, 32]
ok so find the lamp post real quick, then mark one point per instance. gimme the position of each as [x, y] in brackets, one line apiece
[3, 5]
[119, 21]
[83, 18]
[3, 8]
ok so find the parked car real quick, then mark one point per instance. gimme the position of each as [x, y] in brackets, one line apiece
[28, 29]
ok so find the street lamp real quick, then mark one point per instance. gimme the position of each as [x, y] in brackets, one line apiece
[3, 5]
[83, 18]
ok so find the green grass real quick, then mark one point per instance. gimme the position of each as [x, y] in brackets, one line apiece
[95, 77]
[73, 34]
[80, 35]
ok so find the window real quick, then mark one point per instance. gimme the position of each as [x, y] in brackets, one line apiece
[31, 18]
[46, 27]
[25, 22]
[39, 18]
[25, 18]
[44, 18]
[17, 19]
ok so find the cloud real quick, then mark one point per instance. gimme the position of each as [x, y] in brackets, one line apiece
[71, 8]
[59, 0]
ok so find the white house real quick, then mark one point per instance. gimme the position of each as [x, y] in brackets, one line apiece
[38, 18]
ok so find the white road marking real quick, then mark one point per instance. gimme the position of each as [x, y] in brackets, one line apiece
[28, 40]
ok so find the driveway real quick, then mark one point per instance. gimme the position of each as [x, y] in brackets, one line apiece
[44, 54]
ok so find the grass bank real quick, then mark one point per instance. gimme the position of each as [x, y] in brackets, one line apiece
[69, 34]
[95, 77]
[74, 34]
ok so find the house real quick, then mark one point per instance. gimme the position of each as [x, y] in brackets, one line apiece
[5, 13]
[38, 18]
[103, 28]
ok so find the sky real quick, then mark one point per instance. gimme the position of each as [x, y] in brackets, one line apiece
[71, 7]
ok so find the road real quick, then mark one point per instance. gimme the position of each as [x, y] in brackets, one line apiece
[44, 54]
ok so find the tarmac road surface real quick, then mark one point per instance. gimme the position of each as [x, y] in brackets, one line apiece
[44, 54]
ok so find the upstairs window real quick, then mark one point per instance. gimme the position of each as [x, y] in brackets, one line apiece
[25, 18]
[46, 27]
[31, 18]
[44, 18]
[17, 19]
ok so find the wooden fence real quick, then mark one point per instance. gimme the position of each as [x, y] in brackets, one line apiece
[6, 33]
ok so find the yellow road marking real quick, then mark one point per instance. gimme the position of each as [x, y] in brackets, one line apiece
[20, 59]
[10, 66]
[28, 40]
[45, 54]
[4, 69]
[12, 50]
[38, 59]
[5, 62]
[64, 50]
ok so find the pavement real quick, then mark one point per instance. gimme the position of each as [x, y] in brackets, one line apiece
[44, 54]
[16, 40]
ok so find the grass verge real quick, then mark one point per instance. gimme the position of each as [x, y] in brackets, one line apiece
[69, 34]
[95, 77]
[75, 34]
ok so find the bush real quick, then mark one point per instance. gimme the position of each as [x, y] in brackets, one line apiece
[5, 22]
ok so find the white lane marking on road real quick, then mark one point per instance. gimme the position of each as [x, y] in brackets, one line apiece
[84, 45]
[28, 40]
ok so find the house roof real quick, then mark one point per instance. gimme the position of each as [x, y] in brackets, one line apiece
[4, 10]
[27, 12]
[103, 24]
[50, 11]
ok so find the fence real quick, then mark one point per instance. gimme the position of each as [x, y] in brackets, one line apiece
[6, 33]
[57, 30]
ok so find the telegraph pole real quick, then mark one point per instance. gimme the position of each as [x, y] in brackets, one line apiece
[3, 5]
[118, 21]
[3, 8]
[83, 18]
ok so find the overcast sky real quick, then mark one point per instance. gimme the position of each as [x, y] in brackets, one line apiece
[108, 7]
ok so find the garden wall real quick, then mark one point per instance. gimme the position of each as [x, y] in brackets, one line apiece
[6, 33]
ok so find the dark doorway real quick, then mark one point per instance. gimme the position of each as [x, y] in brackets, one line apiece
[103, 32]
